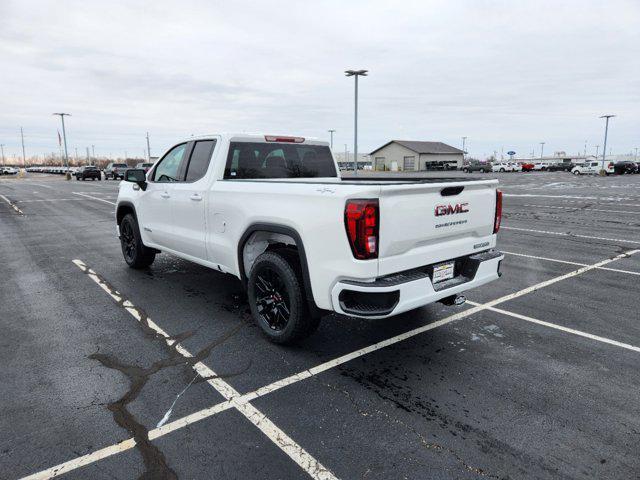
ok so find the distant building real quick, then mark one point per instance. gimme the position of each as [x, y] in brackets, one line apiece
[407, 155]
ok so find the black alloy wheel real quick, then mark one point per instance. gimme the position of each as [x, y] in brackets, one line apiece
[276, 293]
[135, 253]
[272, 300]
[128, 240]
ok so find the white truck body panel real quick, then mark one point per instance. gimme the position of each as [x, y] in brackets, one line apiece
[204, 221]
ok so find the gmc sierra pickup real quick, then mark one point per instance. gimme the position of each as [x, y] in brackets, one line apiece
[274, 212]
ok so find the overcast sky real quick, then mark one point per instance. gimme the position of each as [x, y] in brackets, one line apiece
[505, 74]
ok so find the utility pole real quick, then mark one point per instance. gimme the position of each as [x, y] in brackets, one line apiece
[88, 161]
[635, 157]
[356, 74]
[148, 148]
[331, 132]
[24, 158]
[464, 139]
[64, 135]
[541, 149]
[346, 154]
[585, 149]
[2, 148]
[93, 151]
[597, 148]
[606, 131]
[76, 148]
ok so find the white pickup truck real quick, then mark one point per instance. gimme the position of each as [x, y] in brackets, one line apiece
[274, 212]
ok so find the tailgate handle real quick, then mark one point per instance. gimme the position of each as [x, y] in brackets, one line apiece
[450, 191]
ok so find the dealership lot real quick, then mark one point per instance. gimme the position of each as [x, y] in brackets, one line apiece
[535, 377]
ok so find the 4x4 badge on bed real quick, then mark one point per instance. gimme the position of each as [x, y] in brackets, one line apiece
[451, 209]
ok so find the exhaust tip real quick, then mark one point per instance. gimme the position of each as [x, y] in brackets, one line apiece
[460, 300]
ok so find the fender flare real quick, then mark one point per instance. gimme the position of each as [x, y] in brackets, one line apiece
[284, 230]
[125, 203]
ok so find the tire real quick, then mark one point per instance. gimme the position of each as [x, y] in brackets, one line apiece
[277, 298]
[482, 170]
[576, 172]
[133, 250]
[502, 170]
[83, 179]
[465, 170]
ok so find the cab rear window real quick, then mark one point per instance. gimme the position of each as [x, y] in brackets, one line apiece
[278, 160]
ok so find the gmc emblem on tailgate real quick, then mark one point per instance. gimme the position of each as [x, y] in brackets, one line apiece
[451, 209]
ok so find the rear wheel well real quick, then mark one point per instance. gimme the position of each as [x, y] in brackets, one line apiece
[284, 240]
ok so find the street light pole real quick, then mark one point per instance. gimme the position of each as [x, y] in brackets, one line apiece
[24, 157]
[2, 148]
[356, 74]
[331, 132]
[64, 136]
[148, 149]
[464, 140]
[541, 149]
[606, 131]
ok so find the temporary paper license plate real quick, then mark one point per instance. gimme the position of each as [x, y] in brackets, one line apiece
[442, 271]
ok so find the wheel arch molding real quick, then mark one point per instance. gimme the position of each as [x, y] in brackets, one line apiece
[302, 256]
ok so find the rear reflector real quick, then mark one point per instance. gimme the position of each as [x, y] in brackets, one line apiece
[273, 138]
[498, 217]
[361, 219]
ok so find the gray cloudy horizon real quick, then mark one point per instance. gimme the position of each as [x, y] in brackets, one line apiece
[504, 74]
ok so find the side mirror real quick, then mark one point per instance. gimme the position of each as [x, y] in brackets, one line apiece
[136, 175]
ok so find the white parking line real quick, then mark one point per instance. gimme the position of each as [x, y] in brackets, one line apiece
[567, 234]
[50, 200]
[266, 426]
[93, 198]
[241, 400]
[630, 212]
[561, 328]
[12, 205]
[569, 263]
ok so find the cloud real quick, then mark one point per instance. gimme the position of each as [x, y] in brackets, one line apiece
[507, 74]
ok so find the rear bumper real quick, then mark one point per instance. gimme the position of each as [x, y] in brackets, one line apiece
[404, 291]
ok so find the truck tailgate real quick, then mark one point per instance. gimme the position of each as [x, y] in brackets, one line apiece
[421, 224]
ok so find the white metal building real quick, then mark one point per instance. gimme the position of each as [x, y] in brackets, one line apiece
[408, 155]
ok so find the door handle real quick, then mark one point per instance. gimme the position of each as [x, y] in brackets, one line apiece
[165, 195]
[195, 197]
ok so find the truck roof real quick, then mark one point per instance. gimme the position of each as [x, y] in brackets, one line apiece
[255, 137]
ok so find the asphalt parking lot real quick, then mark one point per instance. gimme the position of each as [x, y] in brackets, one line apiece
[536, 376]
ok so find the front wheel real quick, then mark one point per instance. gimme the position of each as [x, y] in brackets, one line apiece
[135, 253]
[277, 298]
[465, 170]
[576, 172]
[482, 170]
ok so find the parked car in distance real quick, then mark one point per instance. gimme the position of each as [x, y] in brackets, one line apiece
[515, 167]
[476, 167]
[115, 171]
[274, 212]
[144, 166]
[527, 166]
[88, 171]
[592, 168]
[625, 167]
[501, 167]
[9, 171]
[560, 167]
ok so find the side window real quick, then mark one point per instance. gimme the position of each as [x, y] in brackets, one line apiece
[168, 168]
[200, 158]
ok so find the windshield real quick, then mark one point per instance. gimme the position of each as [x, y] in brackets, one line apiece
[278, 160]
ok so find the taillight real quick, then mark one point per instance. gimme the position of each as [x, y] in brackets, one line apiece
[498, 217]
[362, 220]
